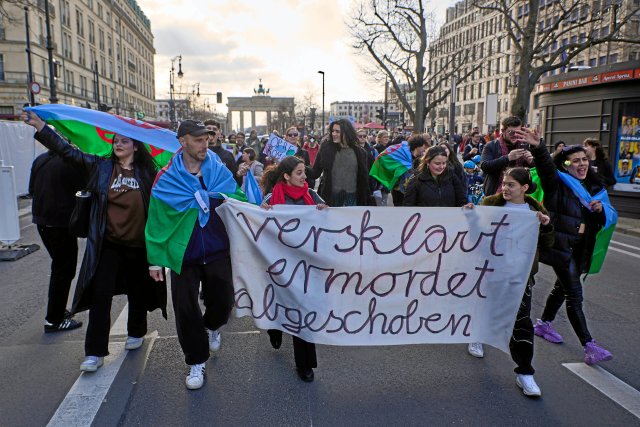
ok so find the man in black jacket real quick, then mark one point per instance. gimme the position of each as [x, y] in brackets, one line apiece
[215, 145]
[53, 184]
[502, 153]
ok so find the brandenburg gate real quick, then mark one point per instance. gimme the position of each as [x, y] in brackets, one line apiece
[261, 101]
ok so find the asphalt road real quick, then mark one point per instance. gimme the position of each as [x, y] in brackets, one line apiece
[249, 383]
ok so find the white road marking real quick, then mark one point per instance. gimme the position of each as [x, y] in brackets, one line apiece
[120, 325]
[82, 402]
[624, 252]
[625, 245]
[609, 385]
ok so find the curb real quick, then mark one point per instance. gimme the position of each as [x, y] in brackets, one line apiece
[628, 231]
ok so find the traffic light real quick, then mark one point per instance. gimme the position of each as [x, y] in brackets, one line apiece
[219, 97]
[380, 113]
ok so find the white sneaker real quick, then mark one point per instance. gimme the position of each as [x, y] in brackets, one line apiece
[91, 363]
[528, 385]
[133, 343]
[195, 379]
[476, 349]
[214, 339]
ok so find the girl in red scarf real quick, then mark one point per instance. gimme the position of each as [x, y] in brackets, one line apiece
[286, 184]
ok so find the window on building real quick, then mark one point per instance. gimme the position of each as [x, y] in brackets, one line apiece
[613, 58]
[1, 67]
[592, 62]
[79, 23]
[81, 54]
[602, 60]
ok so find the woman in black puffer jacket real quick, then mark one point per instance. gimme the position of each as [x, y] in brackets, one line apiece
[576, 226]
[434, 184]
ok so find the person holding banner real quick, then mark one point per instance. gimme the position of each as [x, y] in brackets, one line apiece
[115, 259]
[516, 185]
[286, 185]
[584, 221]
[344, 168]
[435, 184]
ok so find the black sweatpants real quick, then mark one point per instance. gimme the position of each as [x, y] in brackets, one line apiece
[121, 268]
[304, 352]
[521, 342]
[63, 250]
[217, 290]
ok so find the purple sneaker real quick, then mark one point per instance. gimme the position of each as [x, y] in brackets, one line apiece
[593, 353]
[546, 331]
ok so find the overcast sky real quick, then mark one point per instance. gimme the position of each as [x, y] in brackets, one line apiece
[227, 45]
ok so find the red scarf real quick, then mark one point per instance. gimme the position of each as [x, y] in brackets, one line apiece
[282, 189]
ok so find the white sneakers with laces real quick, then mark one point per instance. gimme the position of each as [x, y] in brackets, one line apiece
[133, 343]
[214, 339]
[195, 378]
[476, 349]
[91, 363]
[528, 385]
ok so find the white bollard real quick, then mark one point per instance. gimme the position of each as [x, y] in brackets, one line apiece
[9, 221]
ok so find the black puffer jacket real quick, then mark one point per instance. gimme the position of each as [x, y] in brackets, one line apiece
[99, 171]
[567, 213]
[424, 190]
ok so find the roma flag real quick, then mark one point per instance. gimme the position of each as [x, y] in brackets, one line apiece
[391, 164]
[603, 238]
[178, 200]
[92, 131]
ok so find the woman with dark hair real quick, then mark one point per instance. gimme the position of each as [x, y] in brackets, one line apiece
[286, 185]
[454, 163]
[599, 162]
[516, 185]
[115, 259]
[576, 223]
[435, 184]
[249, 163]
[344, 168]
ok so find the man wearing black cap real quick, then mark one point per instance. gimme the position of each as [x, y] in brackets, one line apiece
[215, 145]
[206, 256]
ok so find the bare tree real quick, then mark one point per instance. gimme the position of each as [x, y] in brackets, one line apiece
[12, 11]
[396, 35]
[534, 38]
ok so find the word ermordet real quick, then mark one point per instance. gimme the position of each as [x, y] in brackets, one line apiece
[380, 276]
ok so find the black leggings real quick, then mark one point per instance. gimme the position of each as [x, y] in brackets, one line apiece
[521, 342]
[568, 288]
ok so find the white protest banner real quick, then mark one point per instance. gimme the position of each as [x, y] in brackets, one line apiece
[381, 276]
[278, 148]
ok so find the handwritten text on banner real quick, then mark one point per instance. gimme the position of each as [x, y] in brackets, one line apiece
[381, 276]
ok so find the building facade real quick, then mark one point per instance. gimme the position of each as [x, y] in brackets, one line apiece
[483, 36]
[360, 111]
[102, 50]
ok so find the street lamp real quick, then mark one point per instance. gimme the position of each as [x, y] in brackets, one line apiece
[322, 72]
[172, 105]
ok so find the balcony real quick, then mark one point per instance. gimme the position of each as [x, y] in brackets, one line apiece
[13, 77]
[52, 8]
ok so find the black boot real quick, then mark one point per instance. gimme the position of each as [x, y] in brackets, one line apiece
[275, 336]
[305, 374]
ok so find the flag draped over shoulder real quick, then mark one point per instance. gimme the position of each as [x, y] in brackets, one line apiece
[391, 164]
[92, 131]
[252, 189]
[539, 193]
[611, 218]
[177, 201]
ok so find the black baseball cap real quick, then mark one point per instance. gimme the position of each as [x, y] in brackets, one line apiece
[193, 128]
